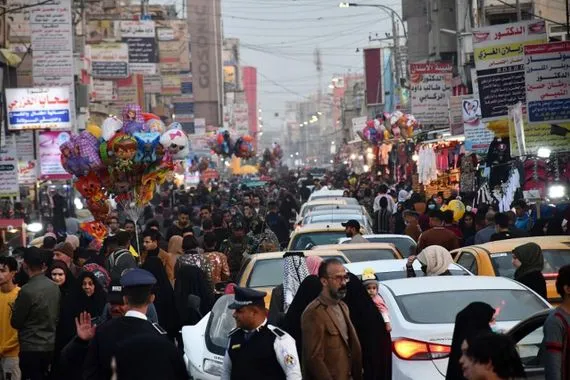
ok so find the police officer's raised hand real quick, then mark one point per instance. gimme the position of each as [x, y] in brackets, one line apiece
[84, 327]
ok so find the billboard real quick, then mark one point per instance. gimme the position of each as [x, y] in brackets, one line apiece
[38, 108]
[204, 25]
[547, 77]
[373, 69]
[9, 186]
[50, 155]
[143, 51]
[430, 89]
[499, 61]
[477, 136]
[110, 60]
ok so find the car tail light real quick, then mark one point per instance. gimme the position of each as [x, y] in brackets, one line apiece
[410, 349]
[550, 276]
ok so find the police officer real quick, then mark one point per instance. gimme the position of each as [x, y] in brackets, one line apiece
[117, 338]
[257, 350]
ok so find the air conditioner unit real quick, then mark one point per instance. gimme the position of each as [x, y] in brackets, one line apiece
[557, 32]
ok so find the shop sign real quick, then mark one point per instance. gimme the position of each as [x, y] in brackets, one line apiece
[104, 91]
[358, 124]
[50, 155]
[38, 108]
[143, 52]
[500, 64]
[9, 186]
[430, 89]
[152, 84]
[456, 115]
[547, 76]
[110, 61]
[27, 172]
[477, 136]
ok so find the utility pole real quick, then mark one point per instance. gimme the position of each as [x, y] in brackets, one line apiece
[518, 8]
[396, 53]
[436, 32]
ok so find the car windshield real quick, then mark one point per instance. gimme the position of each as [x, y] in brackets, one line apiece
[358, 255]
[405, 246]
[554, 259]
[512, 305]
[269, 273]
[330, 208]
[221, 322]
[332, 218]
[311, 239]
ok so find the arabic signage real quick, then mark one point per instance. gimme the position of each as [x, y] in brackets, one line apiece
[241, 118]
[101, 30]
[27, 172]
[50, 155]
[152, 84]
[456, 115]
[104, 91]
[477, 136]
[358, 124]
[19, 25]
[555, 137]
[171, 84]
[38, 108]
[430, 89]
[499, 60]
[547, 76]
[9, 186]
[140, 37]
[110, 60]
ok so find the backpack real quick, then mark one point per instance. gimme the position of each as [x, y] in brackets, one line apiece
[116, 271]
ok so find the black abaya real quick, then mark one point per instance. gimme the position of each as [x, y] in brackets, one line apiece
[375, 341]
[191, 280]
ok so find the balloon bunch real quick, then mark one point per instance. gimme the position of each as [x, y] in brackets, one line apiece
[221, 143]
[244, 147]
[124, 159]
[272, 157]
[402, 124]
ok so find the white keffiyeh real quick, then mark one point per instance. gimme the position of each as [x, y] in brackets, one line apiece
[295, 270]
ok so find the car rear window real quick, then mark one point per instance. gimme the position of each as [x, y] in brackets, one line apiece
[406, 247]
[311, 239]
[269, 273]
[394, 275]
[358, 255]
[442, 307]
[332, 218]
[554, 259]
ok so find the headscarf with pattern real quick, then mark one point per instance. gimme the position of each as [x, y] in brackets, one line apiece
[294, 272]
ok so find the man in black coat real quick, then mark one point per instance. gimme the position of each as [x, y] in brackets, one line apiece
[112, 337]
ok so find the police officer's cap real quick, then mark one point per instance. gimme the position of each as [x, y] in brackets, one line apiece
[137, 277]
[247, 297]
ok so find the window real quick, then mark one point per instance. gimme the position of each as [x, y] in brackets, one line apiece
[554, 259]
[467, 260]
[358, 255]
[311, 239]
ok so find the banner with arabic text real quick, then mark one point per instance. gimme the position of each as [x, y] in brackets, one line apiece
[547, 78]
[430, 90]
[499, 61]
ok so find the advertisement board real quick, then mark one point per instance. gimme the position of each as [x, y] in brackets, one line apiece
[110, 60]
[38, 108]
[143, 51]
[50, 155]
[373, 69]
[499, 61]
[430, 89]
[547, 77]
[104, 91]
[477, 136]
[9, 186]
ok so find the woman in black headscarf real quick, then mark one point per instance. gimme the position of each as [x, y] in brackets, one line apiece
[164, 296]
[309, 289]
[59, 273]
[529, 261]
[375, 341]
[191, 280]
[472, 320]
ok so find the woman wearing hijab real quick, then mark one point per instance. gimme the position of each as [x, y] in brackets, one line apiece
[313, 264]
[375, 340]
[164, 296]
[191, 280]
[59, 273]
[471, 321]
[435, 261]
[529, 261]
[309, 289]
[467, 227]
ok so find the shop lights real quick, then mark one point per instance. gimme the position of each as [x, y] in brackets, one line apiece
[78, 204]
[365, 168]
[353, 156]
[556, 191]
[415, 157]
[34, 227]
[543, 152]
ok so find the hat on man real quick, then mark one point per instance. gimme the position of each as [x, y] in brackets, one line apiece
[247, 297]
[65, 248]
[115, 293]
[352, 223]
[137, 277]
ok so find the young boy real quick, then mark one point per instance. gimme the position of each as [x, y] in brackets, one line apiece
[557, 330]
[370, 282]
[9, 346]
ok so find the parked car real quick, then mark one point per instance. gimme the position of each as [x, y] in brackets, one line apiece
[363, 251]
[306, 237]
[394, 269]
[405, 244]
[423, 309]
[495, 259]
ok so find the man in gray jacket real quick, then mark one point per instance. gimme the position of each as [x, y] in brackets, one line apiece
[35, 315]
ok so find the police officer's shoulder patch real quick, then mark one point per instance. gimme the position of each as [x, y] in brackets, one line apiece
[289, 360]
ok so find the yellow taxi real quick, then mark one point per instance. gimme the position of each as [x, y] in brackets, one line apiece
[358, 252]
[311, 235]
[264, 271]
[494, 258]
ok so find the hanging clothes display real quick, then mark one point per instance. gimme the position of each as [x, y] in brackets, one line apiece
[498, 158]
[509, 188]
[427, 165]
[384, 152]
[468, 181]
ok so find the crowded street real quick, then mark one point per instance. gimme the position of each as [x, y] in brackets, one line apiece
[284, 189]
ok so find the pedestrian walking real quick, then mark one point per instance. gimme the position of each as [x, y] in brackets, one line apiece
[437, 234]
[529, 263]
[331, 348]
[258, 350]
[9, 346]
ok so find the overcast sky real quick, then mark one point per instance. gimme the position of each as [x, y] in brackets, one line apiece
[279, 37]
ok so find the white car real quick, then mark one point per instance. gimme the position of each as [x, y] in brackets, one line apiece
[423, 309]
[405, 244]
[393, 269]
[326, 194]
[206, 342]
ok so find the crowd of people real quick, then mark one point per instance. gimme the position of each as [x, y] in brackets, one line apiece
[72, 307]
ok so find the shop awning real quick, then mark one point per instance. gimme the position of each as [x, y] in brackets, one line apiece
[8, 58]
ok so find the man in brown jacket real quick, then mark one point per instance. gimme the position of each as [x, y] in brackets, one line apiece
[437, 234]
[331, 349]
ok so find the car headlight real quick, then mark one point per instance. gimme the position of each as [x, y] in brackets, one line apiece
[213, 367]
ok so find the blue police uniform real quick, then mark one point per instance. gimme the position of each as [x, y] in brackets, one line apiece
[266, 352]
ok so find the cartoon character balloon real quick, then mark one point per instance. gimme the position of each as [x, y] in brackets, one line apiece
[133, 120]
[147, 143]
[124, 150]
[370, 133]
[110, 126]
[175, 143]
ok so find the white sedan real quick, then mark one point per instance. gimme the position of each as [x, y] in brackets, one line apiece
[393, 269]
[423, 309]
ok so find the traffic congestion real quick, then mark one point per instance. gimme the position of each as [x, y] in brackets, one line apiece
[281, 281]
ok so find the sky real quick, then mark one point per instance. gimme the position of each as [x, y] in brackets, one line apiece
[279, 37]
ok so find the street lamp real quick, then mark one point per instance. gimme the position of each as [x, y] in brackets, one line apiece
[384, 7]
